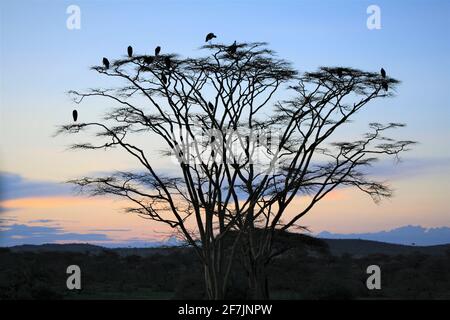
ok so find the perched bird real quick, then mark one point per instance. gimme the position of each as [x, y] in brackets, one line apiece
[75, 115]
[232, 49]
[148, 60]
[383, 73]
[210, 106]
[385, 86]
[339, 72]
[163, 78]
[157, 50]
[210, 36]
[130, 51]
[167, 62]
[106, 63]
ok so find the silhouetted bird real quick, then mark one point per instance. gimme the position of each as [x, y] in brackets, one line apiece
[148, 60]
[106, 63]
[167, 62]
[75, 115]
[339, 72]
[130, 51]
[232, 49]
[210, 36]
[211, 106]
[157, 50]
[163, 78]
[385, 86]
[383, 73]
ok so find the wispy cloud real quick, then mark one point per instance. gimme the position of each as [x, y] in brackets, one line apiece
[42, 221]
[14, 186]
[408, 167]
[17, 234]
[5, 220]
[110, 230]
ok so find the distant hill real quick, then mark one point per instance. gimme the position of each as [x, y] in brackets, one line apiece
[358, 248]
[337, 247]
[54, 247]
[93, 249]
[406, 235]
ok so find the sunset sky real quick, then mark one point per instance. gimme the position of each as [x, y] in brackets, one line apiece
[41, 59]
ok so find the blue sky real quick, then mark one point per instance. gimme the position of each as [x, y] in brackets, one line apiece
[41, 60]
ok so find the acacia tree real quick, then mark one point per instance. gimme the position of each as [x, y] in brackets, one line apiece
[242, 154]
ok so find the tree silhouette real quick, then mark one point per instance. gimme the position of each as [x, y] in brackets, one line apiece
[243, 153]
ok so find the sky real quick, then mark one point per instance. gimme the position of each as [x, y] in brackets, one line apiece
[41, 59]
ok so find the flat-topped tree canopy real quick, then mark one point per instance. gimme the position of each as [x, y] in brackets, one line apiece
[243, 153]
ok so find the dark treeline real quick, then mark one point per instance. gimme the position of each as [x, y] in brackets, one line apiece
[300, 273]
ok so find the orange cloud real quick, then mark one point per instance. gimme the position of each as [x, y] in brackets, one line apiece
[84, 214]
[43, 202]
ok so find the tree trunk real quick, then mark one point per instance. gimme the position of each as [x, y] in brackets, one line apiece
[215, 277]
[257, 256]
[213, 284]
[258, 282]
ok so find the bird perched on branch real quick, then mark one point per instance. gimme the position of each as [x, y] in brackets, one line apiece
[385, 85]
[210, 36]
[106, 63]
[75, 115]
[130, 51]
[211, 106]
[157, 50]
[383, 73]
[232, 49]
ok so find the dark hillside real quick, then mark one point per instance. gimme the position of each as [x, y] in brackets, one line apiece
[304, 269]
